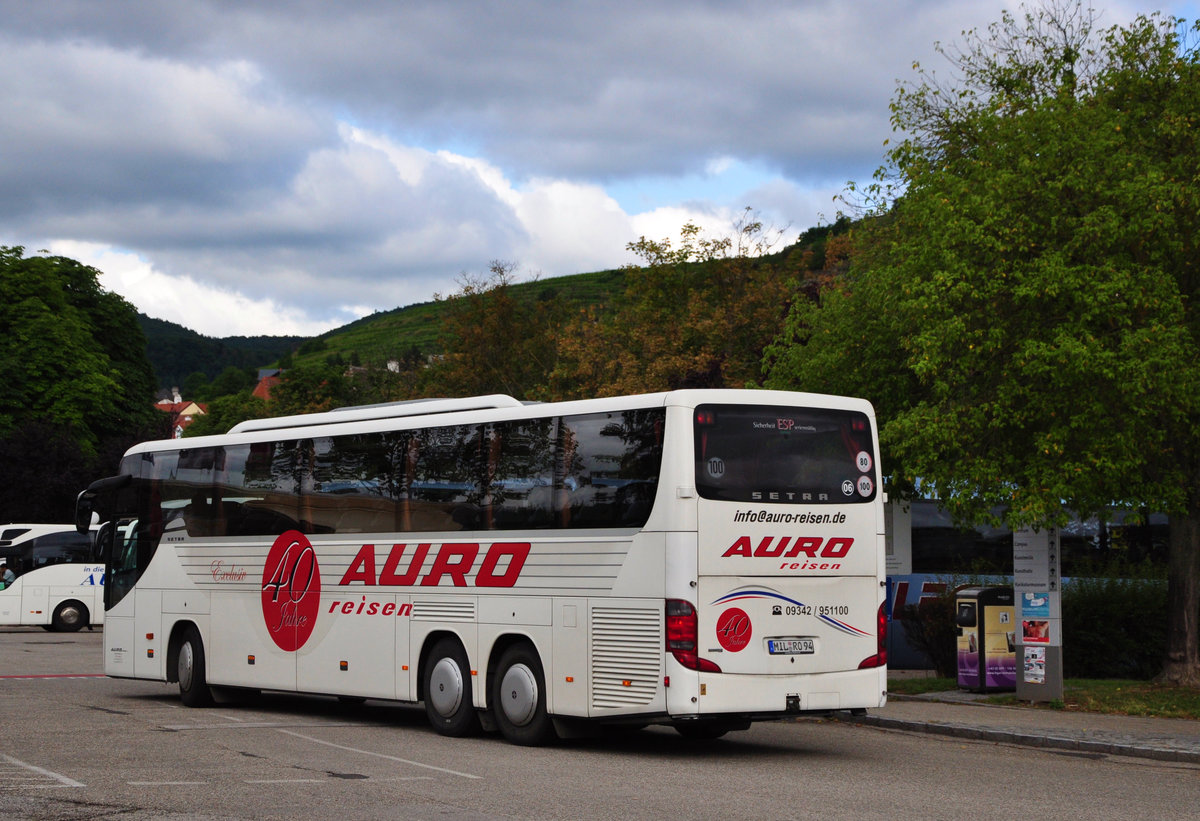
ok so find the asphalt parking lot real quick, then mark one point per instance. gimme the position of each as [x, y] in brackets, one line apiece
[75, 744]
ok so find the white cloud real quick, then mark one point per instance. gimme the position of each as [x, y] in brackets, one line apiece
[262, 168]
[188, 302]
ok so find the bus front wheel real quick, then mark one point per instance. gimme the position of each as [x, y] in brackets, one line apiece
[69, 617]
[519, 697]
[193, 680]
[447, 692]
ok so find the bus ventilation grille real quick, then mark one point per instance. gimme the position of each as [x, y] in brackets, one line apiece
[459, 612]
[627, 652]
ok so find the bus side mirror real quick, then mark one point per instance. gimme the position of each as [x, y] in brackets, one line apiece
[84, 512]
[89, 507]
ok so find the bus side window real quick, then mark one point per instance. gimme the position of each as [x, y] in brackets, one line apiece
[58, 548]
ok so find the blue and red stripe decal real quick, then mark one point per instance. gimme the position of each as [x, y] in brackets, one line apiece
[757, 593]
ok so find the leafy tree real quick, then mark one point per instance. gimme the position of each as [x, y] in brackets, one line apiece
[696, 315]
[42, 487]
[196, 387]
[226, 411]
[77, 384]
[493, 342]
[175, 352]
[231, 380]
[1025, 315]
[313, 389]
[72, 353]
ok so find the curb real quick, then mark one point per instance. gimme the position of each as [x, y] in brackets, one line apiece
[1077, 745]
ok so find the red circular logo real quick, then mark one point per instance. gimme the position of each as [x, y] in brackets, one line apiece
[291, 590]
[733, 629]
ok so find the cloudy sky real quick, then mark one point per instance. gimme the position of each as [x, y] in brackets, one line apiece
[244, 167]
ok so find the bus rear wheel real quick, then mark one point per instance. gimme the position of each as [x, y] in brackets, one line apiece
[519, 697]
[189, 666]
[69, 616]
[449, 704]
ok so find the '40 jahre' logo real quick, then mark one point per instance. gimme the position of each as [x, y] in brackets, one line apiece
[291, 590]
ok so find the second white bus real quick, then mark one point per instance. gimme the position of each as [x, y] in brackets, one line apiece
[697, 558]
[59, 582]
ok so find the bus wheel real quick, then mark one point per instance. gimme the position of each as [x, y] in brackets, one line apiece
[448, 701]
[193, 681]
[69, 617]
[519, 697]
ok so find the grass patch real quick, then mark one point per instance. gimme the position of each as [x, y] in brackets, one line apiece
[1130, 698]
[1085, 695]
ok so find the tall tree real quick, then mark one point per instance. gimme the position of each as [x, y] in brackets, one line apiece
[694, 315]
[1025, 314]
[75, 373]
[493, 341]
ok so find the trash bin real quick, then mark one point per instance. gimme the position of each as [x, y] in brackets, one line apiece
[986, 620]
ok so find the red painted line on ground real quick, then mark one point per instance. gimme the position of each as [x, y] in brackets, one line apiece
[61, 675]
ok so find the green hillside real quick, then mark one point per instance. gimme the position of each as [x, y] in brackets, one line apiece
[175, 351]
[401, 333]
[392, 334]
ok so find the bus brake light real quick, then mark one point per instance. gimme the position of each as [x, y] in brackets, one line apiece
[682, 634]
[880, 657]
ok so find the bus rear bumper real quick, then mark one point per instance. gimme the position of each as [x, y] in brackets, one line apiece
[767, 696]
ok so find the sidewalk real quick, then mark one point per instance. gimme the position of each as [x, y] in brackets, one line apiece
[965, 715]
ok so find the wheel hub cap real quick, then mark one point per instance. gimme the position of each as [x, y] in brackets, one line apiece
[519, 694]
[445, 687]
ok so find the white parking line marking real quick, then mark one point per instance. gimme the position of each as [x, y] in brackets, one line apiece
[164, 783]
[326, 780]
[259, 725]
[380, 755]
[285, 780]
[62, 780]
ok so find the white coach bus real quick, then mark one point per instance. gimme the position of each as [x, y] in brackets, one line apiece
[698, 558]
[57, 579]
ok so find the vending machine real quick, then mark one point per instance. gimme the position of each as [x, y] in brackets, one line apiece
[987, 658]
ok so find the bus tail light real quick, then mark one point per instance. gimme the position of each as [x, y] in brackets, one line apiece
[682, 636]
[880, 657]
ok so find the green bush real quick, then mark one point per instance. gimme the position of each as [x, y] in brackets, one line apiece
[1114, 627]
[929, 629]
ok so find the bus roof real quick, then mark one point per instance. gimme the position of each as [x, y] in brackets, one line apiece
[389, 410]
[474, 409]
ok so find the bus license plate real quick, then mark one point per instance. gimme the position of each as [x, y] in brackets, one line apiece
[790, 647]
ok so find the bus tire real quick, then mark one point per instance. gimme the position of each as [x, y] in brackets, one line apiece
[69, 616]
[519, 697]
[447, 690]
[189, 666]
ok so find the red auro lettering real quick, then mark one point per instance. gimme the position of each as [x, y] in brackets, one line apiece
[517, 553]
[765, 549]
[388, 576]
[807, 545]
[836, 548]
[362, 569]
[453, 560]
[740, 548]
